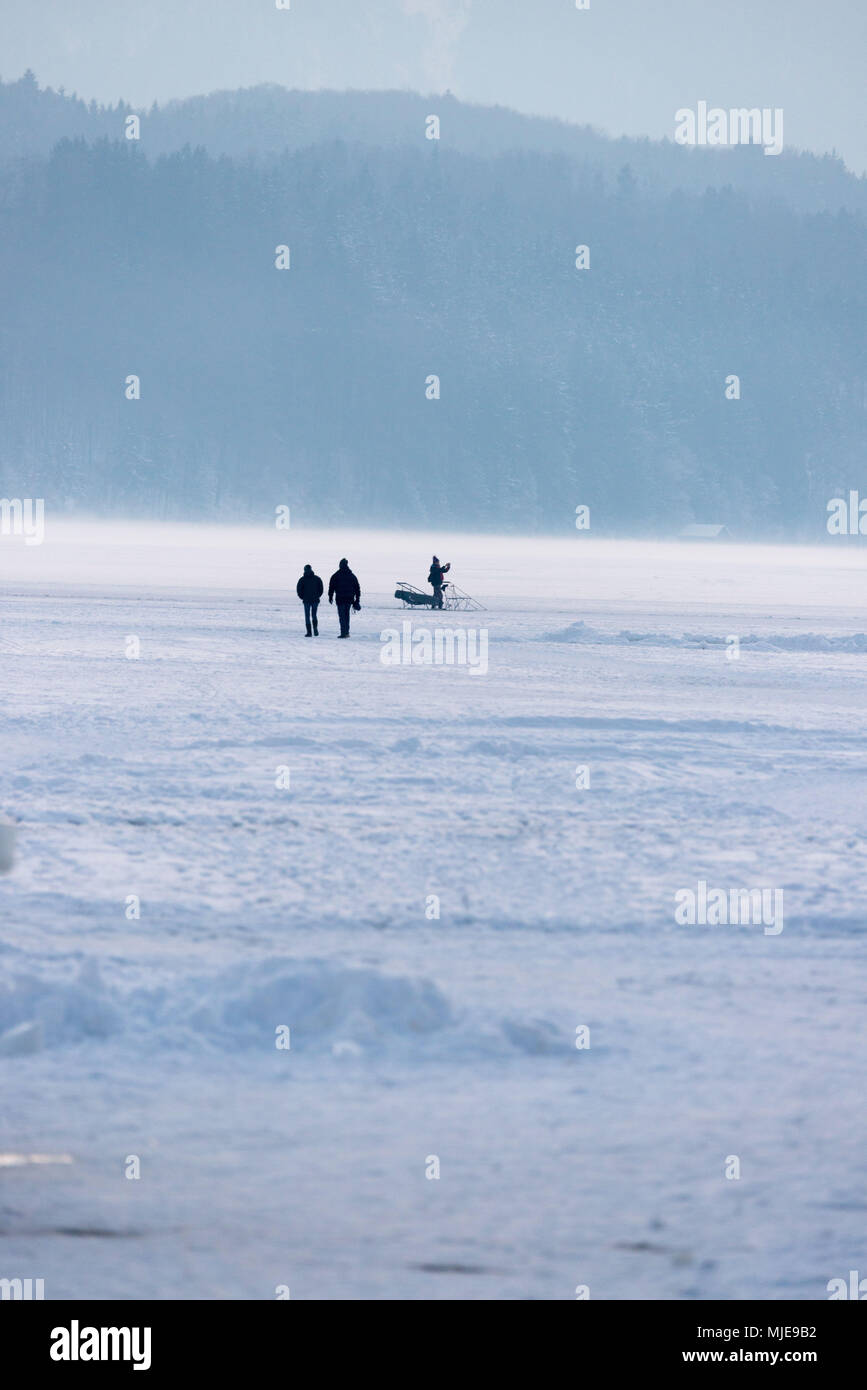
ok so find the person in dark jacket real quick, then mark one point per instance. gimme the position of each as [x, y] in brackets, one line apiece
[344, 587]
[309, 590]
[436, 576]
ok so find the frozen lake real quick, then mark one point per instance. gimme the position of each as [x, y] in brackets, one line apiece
[714, 698]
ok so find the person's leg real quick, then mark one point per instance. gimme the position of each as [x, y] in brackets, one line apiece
[307, 607]
[314, 613]
[343, 614]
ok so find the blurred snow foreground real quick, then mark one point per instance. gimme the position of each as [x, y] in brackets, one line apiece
[376, 972]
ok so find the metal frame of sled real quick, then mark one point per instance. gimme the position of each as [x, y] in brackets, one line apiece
[453, 597]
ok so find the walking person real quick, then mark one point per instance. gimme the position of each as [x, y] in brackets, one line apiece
[436, 576]
[309, 590]
[344, 587]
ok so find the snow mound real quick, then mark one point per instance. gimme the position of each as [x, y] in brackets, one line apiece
[315, 1006]
[579, 632]
[535, 1035]
[36, 1012]
[323, 1005]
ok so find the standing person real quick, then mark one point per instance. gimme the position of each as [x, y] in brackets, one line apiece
[309, 590]
[344, 586]
[436, 576]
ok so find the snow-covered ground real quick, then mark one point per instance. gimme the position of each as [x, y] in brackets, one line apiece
[412, 1036]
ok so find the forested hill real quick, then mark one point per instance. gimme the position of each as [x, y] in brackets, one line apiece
[266, 120]
[312, 386]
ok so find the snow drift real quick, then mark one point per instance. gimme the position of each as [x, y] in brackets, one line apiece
[326, 1008]
[579, 632]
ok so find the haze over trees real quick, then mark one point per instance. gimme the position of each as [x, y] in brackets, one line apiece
[413, 258]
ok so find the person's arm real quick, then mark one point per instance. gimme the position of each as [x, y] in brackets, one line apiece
[298, 589]
[331, 589]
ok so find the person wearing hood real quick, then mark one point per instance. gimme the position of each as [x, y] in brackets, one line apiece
[344, 587]
[436, 576]
[309, 590]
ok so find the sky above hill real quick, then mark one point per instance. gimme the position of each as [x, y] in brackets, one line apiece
[625, 66]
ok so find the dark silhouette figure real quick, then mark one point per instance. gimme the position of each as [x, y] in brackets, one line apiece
[436, 576]
[344, 587]
[309, 590]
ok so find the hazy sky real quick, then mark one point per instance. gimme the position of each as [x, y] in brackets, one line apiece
[622, 65]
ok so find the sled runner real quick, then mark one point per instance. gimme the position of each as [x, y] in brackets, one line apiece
[453, 597]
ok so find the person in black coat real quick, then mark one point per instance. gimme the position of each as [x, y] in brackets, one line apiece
[309, 590]
[437, 574]
[344, 587]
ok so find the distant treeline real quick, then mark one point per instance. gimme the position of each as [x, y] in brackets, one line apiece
[260, 122]
[312, 386]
